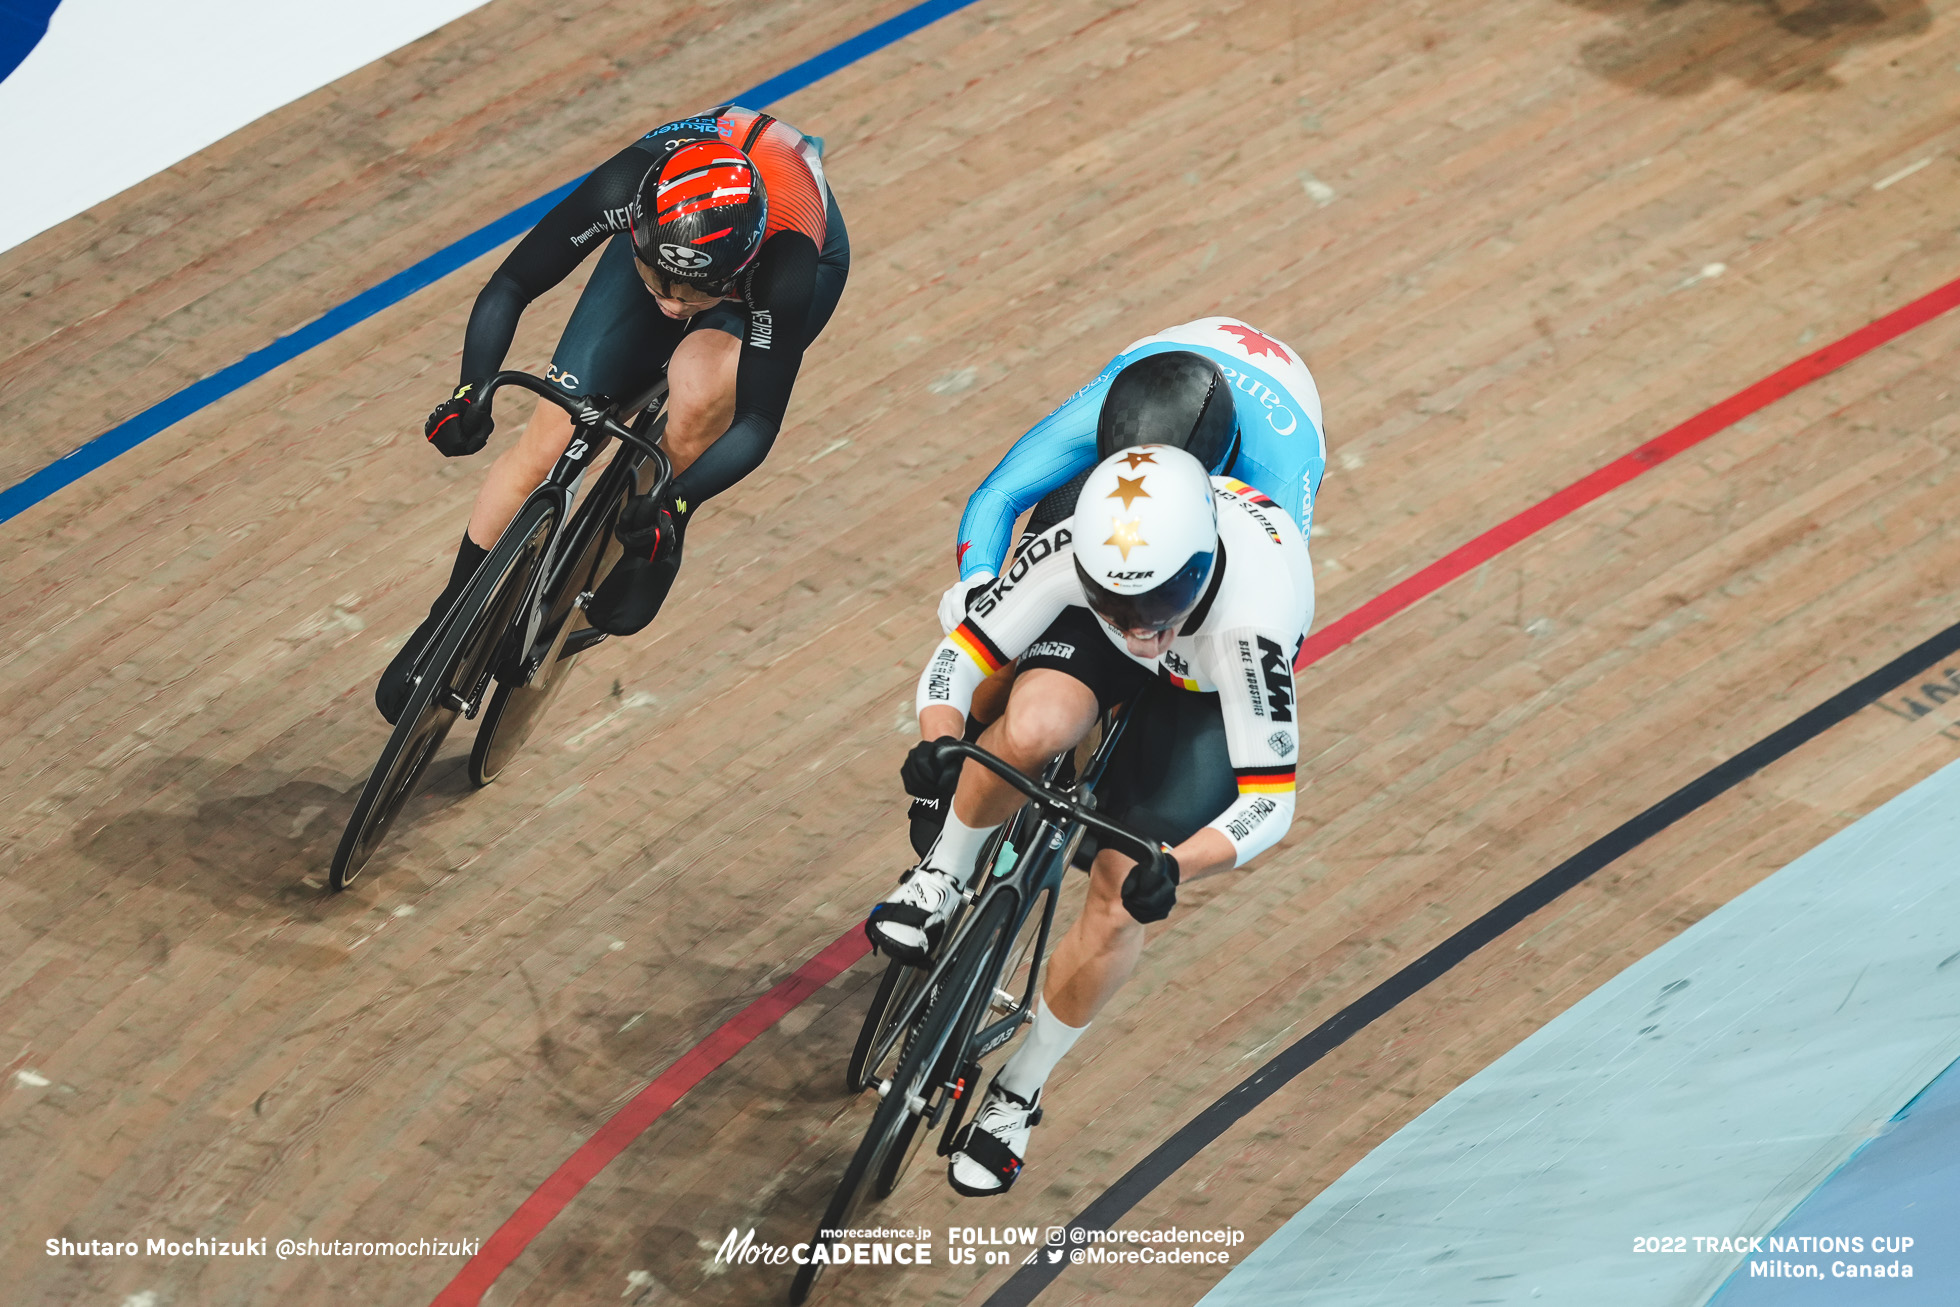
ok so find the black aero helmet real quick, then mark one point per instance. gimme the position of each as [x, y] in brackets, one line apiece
[1175, 398]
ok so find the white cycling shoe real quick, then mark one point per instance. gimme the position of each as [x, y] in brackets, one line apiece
[988, 1153]
[908, 923]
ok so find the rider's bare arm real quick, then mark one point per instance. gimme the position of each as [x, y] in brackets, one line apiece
[1205, 854]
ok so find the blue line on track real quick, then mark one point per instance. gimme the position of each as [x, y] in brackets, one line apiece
[125, 436]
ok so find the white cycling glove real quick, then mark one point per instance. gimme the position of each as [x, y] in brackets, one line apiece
[952, 604]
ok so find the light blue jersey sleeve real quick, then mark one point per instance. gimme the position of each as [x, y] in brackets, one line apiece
[1282, 455]
[1053, 450]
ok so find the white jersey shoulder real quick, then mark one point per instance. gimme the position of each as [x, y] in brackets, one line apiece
[1268, 584]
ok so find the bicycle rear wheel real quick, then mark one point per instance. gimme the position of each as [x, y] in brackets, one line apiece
[898, 1123]
[459, 664]
[519, 703]
[513, 712]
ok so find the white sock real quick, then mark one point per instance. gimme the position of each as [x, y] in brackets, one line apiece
[958, 845]
[1048, 1042]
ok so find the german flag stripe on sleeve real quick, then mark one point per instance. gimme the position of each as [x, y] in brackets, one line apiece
[1264, 780]
[978, 647]
[1246, 492]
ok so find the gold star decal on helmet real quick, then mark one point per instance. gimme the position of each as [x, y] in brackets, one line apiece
[1123, 534]
[1135, 459]
[1129, 490]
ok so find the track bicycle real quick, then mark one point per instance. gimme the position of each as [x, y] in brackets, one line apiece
[929, 1027]
[521, 620]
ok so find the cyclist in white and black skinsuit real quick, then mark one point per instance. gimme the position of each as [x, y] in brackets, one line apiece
[1206, 764]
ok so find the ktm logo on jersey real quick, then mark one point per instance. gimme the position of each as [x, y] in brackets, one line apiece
[1279, 681]
[1255, 343]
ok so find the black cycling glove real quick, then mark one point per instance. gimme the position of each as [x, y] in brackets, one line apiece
[457, 426]
[646, 525]
[928, 773]
[1150, 897]
[931, 784]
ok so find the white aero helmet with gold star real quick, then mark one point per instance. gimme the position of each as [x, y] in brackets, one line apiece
[1145, 536]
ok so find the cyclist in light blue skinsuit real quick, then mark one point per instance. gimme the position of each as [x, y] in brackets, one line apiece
[1280, 452]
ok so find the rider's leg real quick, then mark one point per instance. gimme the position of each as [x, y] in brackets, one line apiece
[1099, 952]
[1094, 959]
[700, 406]
[1054, 700]
[1048, 711]
[701, 394]
[1091, 963]
[513, 476]
[990, 700]
[518, 470]
[1171, 775]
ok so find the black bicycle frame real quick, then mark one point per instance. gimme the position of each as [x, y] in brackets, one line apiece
[592, 426]
[1036, 866]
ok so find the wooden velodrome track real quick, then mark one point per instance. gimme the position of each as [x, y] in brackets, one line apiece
[1513, 240]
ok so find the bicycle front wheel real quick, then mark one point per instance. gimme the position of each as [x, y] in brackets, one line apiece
[936, 1046]
[458, 665]
[895, 991]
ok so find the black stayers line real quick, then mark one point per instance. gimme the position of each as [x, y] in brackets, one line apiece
[1163, 1161]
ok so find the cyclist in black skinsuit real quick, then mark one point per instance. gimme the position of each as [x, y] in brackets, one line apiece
[724, 258]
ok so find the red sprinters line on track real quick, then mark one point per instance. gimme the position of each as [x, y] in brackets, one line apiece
[1587, 488]
[626, 1125]
[646, 1107]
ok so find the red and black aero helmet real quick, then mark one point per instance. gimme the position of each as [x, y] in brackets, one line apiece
[700, 215]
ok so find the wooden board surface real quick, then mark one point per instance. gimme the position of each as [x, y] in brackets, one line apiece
[1512, 239]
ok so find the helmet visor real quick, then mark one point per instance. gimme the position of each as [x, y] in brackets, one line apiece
[1156, 609]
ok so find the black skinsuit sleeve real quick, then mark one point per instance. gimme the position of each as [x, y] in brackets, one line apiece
[575, 226]
[779, 294]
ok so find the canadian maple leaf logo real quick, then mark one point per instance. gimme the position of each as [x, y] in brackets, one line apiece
[1256, 343]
